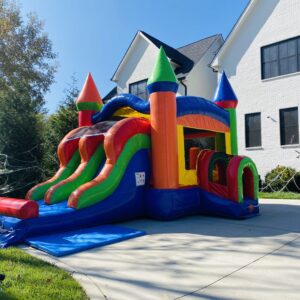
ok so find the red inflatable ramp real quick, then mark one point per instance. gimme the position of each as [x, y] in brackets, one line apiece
[19, 208]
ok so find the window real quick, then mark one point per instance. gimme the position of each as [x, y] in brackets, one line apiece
[289, 126]
[253, 130]
[139, 89]
[280, 58]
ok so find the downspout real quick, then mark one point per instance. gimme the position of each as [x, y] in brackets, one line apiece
[183, 84]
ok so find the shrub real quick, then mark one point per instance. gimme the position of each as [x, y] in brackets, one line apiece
[281, 178]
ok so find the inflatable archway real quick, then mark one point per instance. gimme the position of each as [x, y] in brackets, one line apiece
[241, 180]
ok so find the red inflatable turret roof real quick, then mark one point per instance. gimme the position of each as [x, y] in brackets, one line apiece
[89, 98]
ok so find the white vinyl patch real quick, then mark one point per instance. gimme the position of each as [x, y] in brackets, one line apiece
[140, 178]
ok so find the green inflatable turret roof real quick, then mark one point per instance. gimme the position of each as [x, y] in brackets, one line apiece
[162, 71]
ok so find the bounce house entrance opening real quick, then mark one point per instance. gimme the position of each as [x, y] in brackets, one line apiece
[196, 140]
[219, 172]
[248, 184]
[217, 168]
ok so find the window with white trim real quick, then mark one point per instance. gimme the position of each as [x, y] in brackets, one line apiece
[253, 130]
[289, 126]
[139, 89]
[280, 58]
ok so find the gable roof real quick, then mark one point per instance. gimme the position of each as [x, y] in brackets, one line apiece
[112, 93]
[184, 57]
[233, 32]
[195, 51]
[185, 64]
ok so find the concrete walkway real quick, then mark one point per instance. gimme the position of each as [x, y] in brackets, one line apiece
[198, 258]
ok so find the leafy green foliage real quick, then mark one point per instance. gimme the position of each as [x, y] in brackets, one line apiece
[57, 126]
[21, 144]
[26, 56]
[30, 278]
[282, 179]
[27, 70]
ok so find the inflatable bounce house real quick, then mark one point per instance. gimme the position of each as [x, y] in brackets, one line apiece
[165, 158]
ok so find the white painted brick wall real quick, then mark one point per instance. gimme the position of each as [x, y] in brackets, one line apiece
[269, 21]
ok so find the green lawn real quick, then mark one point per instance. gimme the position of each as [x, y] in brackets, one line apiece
[280, 195]
[30, 278]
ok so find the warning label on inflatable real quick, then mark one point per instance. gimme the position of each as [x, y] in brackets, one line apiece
[140, 178]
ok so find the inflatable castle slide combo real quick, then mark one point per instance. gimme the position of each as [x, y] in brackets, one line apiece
[166, 158]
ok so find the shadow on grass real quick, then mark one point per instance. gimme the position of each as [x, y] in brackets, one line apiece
[22, 258]
[4, 296]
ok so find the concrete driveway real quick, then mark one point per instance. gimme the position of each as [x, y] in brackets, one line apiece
[197, 258]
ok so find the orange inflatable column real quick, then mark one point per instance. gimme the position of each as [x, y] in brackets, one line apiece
[162, 87]
[88, 102]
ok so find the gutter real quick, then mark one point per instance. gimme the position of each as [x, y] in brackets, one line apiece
[183, 84]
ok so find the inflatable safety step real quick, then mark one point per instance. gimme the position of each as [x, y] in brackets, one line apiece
[18, 208]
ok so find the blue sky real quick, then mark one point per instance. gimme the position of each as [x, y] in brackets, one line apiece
[93, 35]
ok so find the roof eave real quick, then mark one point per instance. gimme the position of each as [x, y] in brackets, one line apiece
[219, 36]
[234, 30]
[215, 64]
[114, 78]
[188, 64]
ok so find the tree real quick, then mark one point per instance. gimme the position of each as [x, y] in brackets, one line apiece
[21, 148]
[26, 55]
[27, 67]
[58, 125]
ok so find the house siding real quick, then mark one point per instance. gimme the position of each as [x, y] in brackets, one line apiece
[202, 80]
[138, 66]
[267, 22]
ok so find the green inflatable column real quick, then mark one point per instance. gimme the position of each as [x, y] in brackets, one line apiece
[233, 131]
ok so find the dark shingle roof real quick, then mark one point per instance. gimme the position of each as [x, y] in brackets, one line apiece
[196, 50]
[111, 94]
[185, 63]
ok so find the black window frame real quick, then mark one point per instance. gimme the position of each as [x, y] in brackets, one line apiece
[145, 92]
[283, 129]
[279, 59]
[247, 138]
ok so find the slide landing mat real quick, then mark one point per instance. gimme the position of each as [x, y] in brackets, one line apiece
[70, 242]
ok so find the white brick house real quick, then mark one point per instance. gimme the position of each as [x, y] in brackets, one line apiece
[191, 65]
[261, 58]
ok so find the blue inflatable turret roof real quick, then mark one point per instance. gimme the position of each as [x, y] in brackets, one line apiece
[224, 95]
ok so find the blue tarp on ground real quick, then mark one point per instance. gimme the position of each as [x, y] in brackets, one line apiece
[66, 243]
